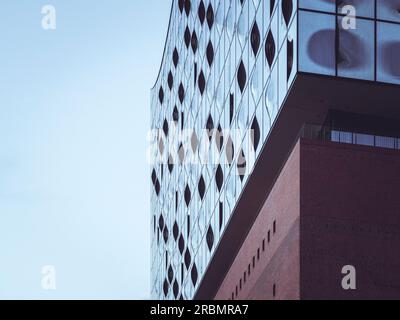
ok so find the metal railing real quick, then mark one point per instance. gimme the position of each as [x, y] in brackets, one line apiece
[323, 133]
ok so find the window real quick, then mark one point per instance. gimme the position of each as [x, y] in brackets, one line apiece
[210, 16]
[255, 133]
[170, 80]
[175, 289]
[194, 275]
[201, 187]
[287, 9]
[221, 215]
[188, 258]
[210, 53]
[175, 57]
[161, 95]
[175, 231]
[188, 195]
[194, 42]
[201, 12]
[289, 57]
[181, 93]
[187, 37]
[219, 177]
[202, 82]
[241, 76]
[241, 165]
[255, 38]
[270, 48]
[210, 238]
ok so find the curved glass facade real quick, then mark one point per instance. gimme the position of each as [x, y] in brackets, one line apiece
[228, 66]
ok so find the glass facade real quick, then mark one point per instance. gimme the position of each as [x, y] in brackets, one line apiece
[227, 68]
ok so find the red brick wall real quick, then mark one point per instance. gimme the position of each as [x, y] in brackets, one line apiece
[334, 205]
[350, 215]
[279, 263]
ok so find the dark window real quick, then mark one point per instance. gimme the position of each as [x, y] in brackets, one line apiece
[255, 136]
[188, 258]
[210, 53]
[270, 48]
[210, 238]
[170, 80]
[187, 37]
[287, 9]
[175, 57]
[170, 274]
[254, 262]
[161, 95]
[194, 42]
[241, 76]
[181, 244]
[241, 165]
[269, 236]
[181, 4]
[175, 289]
[219, 138]
[202, 12]
[258, 254]
[166, 234]
[255, 38]
[202, 82]
[194, 275]
[219, 178]
[166, 287]
[201, 187]
[210, 16]
[175, 230]
[187, 7]
[274, 227]
[153, 176]
[210, 127]
[289, 58]
[181, 92]
[263, 245]
[170, 164]
[274, 290]
[188, 195]
[165, 127]
[231, 108]
[221, 215]
[175, 114]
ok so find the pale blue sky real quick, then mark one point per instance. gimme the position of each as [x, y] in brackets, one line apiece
[74, 112]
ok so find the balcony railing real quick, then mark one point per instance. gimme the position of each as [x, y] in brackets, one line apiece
[317, 132]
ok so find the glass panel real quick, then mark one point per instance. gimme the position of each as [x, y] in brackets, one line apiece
[317, 43]
[388, 52]
[389, 10]
[385, 142]
[364, 139]
[363, 8]
[320, 5]
[356, 50]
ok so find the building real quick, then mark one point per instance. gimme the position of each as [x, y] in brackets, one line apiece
[276, 151]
